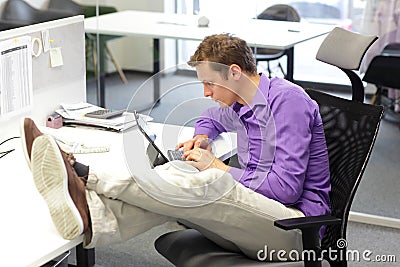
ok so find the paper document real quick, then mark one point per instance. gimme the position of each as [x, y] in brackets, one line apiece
[16, 91]
[75, 114]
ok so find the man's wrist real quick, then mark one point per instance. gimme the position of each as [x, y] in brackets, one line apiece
[197, 136]
[218, 164]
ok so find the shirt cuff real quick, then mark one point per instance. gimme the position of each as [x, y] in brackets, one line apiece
[211, 134]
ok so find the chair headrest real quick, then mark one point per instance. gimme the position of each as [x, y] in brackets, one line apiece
[344, 49]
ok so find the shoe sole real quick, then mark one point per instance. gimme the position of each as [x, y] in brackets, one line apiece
[51, 180]
[23, 141]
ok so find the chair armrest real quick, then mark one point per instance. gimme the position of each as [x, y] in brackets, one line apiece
[306, 222]
[309, 227]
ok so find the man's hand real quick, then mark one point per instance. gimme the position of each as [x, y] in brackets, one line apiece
[203, 159]
[199, 141]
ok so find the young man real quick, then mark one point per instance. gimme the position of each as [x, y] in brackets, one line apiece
[281, 144]
[281, 148]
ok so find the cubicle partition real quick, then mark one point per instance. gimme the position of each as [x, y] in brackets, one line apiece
[58, 68]
[53, 73]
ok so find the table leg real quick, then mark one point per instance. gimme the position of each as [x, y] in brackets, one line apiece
[100, 82]
[290, 64]
[156, 70]
[84, 257]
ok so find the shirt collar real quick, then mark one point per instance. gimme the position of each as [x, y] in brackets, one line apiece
[260, 98]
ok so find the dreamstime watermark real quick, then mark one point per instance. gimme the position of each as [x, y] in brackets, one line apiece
[339, 254]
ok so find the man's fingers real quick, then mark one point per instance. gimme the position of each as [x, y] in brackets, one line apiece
[197, 144]
[179, 146]
[187, 146]
[193, 154]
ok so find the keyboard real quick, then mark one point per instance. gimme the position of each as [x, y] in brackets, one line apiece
[89, 149]
[78, 148]
[175, 154]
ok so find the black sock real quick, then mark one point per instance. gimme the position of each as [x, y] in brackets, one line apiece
[81, 170]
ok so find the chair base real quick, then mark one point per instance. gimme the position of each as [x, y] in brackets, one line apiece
[190, 248]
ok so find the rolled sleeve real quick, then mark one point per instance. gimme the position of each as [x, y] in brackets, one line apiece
[213, 122]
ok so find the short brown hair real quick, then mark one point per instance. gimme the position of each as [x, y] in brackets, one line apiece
[225, 49]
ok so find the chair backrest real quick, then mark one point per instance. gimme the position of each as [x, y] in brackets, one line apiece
[280, 12]
[19, 10]
[391, 49]
[335, 50]
[67, 5]
[384, 68]
[86, 10]
[383, 71]
[350, 131]
[316, 10]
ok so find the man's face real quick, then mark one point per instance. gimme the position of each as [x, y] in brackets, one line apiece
[215, 85]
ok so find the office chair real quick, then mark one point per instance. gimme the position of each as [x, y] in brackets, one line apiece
[276, 12]
[90, 11]
[350, 129]
[382, 71]
[316, 10]
[19, 12]
[339, 39]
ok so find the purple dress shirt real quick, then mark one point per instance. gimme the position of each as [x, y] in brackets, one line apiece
[281, 145]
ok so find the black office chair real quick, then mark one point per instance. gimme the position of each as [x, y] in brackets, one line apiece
[383, 71]
[19, 12]
[316, 10]
[336, 51]
[278, 12]
[350, 129]
[91, 55]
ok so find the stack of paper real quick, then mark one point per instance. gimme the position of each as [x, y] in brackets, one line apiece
[75, 114]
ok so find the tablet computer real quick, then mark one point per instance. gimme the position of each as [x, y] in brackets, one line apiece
[154, 153]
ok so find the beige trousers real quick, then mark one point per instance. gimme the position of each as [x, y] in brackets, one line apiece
[121, 208]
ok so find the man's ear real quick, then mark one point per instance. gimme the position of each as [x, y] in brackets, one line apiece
[235, 71]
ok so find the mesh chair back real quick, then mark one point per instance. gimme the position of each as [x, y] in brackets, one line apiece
[350, 131]
[280, 12]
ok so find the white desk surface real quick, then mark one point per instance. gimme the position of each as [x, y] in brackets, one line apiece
[28, 234]
[262, 33]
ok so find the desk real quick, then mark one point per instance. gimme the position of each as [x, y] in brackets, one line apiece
[28, 232]
[224, 146]
[281, 35]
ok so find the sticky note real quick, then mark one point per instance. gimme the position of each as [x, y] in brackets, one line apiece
[56, 57]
